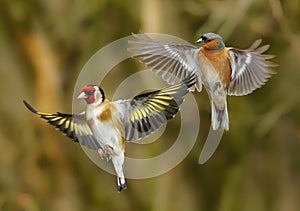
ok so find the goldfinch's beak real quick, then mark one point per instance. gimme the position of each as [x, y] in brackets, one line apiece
[200, 41]
[82, 95]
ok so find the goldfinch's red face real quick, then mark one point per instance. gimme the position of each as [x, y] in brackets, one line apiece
[91, 94]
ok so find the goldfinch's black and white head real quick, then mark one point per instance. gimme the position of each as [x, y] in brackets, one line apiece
[92, 94]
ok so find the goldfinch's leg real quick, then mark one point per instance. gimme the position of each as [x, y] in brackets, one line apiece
[118, 162]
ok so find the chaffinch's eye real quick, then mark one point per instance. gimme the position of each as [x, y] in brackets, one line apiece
[208, 40]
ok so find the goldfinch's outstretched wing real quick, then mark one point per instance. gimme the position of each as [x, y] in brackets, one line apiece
[146, 112]
[72, 125]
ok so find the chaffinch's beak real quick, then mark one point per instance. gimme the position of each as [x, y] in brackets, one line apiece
[82, 95]
[200, 41]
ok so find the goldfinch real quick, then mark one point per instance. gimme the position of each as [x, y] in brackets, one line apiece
[106, 125]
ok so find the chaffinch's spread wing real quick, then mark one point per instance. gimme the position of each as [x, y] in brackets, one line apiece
[173, 62]
[250, 69]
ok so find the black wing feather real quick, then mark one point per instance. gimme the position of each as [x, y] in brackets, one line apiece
[146, 112]
[73, 126]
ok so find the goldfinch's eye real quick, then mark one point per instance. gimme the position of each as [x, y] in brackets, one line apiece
[90, 92]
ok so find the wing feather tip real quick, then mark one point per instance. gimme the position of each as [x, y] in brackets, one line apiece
[29, 107]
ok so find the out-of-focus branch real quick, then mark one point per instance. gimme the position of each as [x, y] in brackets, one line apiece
[45, 66]
[151, 15]
[277, 13]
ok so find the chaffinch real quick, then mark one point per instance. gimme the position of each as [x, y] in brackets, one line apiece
[222, 70]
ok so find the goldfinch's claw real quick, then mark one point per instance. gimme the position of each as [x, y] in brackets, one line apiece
[105, 152]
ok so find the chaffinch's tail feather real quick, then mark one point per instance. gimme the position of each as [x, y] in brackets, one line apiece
[219, 116]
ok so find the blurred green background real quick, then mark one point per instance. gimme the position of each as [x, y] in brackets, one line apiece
[44, 45]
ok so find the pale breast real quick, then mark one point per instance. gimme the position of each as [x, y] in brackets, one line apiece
[106, 126]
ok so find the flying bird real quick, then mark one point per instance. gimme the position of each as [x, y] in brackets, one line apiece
[106, 125]
[222, 70]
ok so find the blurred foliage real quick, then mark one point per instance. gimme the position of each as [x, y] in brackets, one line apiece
[43, 46]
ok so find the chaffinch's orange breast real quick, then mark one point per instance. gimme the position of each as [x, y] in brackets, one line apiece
[218, 61]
